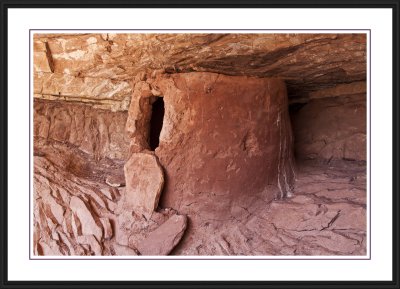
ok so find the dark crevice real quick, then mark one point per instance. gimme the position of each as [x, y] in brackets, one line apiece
[156, 122]
[295, 107]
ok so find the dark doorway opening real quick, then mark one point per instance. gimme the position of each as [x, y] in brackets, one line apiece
[156, 122]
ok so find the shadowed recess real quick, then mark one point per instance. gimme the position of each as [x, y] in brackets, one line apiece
[156, 123]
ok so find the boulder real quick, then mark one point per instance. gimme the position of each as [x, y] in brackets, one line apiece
[162, 240]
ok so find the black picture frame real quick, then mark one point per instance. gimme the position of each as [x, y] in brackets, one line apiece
[326, 4]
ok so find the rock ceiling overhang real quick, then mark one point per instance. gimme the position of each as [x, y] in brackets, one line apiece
[100, 67]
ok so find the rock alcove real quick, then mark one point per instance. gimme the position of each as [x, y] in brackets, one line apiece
[199, 144]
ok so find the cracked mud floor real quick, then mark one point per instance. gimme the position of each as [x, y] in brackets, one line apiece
[325, 216]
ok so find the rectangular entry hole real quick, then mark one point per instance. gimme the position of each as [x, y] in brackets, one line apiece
[156, 122]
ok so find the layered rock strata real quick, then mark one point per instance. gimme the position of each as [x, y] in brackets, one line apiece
[101, 65]
[94, 131]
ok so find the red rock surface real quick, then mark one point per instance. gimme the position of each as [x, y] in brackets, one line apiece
[106, 62]
[162, 240]
[78, 213]
[225, 154]
[95, 131]
[332, 128]
[326, 216]
[226, 141]
[144, 182]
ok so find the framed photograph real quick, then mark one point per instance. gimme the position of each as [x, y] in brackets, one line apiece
[200, 145]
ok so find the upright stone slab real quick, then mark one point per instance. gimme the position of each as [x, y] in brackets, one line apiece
[144, 182]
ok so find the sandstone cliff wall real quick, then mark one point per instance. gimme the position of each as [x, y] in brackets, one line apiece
[98, 132]
[333, 126]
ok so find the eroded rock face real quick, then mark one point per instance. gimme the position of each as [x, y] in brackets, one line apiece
[308, 61]
[332, 128]
[77, 213]
[87, 223]
[73, 206]
[95, 131]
